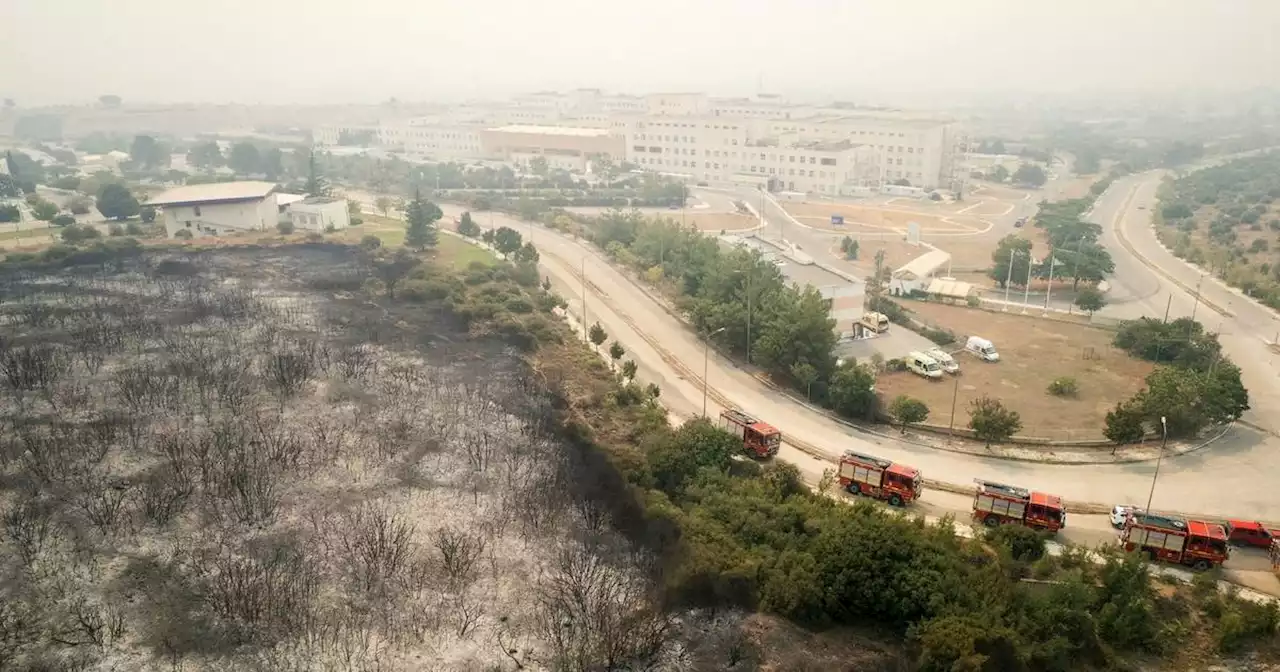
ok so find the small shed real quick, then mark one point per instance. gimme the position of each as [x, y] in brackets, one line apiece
[319, 214]
[916, 274]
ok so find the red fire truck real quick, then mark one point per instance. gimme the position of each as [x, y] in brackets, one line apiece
[871, 476]
[1194, 543]
[759, 439]
[998, 504]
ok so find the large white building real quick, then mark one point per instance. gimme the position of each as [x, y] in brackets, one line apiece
[762, 139]
[218, 209]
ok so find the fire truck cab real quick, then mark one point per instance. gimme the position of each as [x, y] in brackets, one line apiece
[874, 477]
[759, 439]
[998, 504]
[1194, 543]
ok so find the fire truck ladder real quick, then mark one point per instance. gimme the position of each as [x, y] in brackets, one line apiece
[1002, 489]
[739, 416]
[879, 462]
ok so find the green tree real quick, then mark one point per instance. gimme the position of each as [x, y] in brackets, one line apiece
[206, 156]
[991, 422]
[245, 158]
[527, 254]
[1017, 248]
[44, 210]
[1125, 603]
[383, 204]
[285, 227]
[597, 334]
[9, 187]
[148, 213]
[67, 220]
[10, 213]
[467, 226]
[538, 166]
[793, 328]
[420, 217]
[629, 369]
[392, 268]
[1125, 423]
[1190, 400]
[1088, 260]
[316, 184]
[507, 241]
[851, 391]
[616, 351]
[1090, 299]
[74, 233]
[908, 411]
[998, 174]
[805, 375]
[370, 242]
[677, 459]
[273, 163]
[849, 247]
[148, 153]
[1030, 174]
[116, 202]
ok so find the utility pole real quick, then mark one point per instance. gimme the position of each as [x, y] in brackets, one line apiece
[955, 394]
[583, 276]
[749, 316]
[1196, 305]
[706, 358]
[1048, 290]
[1167, 305]
[1164, 426]
[1026, 289]
[1008, 280]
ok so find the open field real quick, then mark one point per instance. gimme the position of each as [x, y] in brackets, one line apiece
[1033, 352]
[818, 215]
[458, 253]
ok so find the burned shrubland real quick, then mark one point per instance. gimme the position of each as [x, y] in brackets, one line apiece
[244, 459]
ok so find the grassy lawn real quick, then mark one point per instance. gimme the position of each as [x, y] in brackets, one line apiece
[458, 253]
[27, 233]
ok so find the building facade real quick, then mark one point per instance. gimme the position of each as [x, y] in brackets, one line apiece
[218, 209]
[319, 214]
[569, 148]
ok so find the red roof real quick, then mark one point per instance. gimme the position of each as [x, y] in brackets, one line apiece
[1042, 499]
[1245, 525]
[765, 428]
[1200, 528]
[903, 470]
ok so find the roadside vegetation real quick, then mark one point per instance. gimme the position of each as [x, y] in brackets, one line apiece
[1225, 219]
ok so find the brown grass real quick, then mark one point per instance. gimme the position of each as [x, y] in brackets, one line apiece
[1033, 352]
[818, 215]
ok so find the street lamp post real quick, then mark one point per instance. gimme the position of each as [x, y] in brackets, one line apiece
[1048, 289]
[1196, 305]
[1008, 279]
[706, 358]
[955, 394]
[1026, 289]
[1164, 439]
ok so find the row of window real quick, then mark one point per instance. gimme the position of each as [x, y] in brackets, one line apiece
[769, 170]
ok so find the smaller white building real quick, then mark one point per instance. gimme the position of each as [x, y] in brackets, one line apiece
[917, 274]
[319, 214]
[217, 209]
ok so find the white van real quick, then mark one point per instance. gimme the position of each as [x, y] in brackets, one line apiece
[922, 364]
[982, 348]
[944, 359]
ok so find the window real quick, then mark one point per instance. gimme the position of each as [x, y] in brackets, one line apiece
[793, 159]
[828, 162]
[188, 225]
[911, 150]
[638, 148]
[812, 159]
[196, 209]
[811, 173]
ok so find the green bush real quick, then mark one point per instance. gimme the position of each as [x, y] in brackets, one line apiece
[75, 233]
[939, 336]
[135, 229]
[1023, 543]
[63, 220]
[285, 227]
[183, 234]
[115, 230]
[1064, 386]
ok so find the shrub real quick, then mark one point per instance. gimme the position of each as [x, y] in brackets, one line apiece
[135, 229]
[10, 213]
[75, 233]
[115, 230]
[183, 234]
[285, 227]
[64, 220]
[148, 213]
[1064, 386]
[939, 336]
[1023, 543]
[370, 243]
[314, 237]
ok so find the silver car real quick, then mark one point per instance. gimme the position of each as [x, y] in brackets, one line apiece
[1119, 514]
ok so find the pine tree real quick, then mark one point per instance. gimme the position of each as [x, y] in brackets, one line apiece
[421, 217]
[316, 184]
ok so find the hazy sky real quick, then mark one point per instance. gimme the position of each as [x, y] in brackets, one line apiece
[279, 51]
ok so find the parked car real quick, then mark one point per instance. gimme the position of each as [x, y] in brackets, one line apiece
[1021, 221]
[1119, 514]
[944, 359]
[982, 348]
[1249, 533]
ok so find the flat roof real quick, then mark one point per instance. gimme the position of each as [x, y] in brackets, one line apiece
[214, 192]
[554, 130]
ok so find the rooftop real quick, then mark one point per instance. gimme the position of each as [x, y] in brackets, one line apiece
[214, 193]
[923, 265]
[554, 130]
